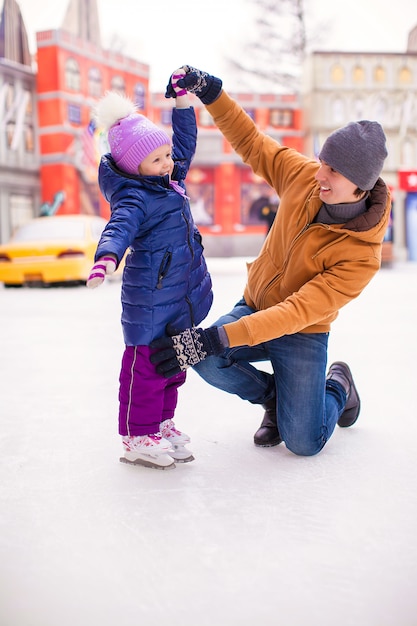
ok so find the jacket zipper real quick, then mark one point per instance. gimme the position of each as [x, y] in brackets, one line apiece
[191, 248]
[277, 276]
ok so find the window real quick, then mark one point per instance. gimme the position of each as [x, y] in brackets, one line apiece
[74, 114]
[379, 74]
[28, 132]
[358, 74]
[118, 84]
[405, 75]
[72, 75]
[94, 82]
[29, 139]
[139, 96]
[18, 103]
[10, 109]
[337, 73]
[29, 103]
[281, 117]
[10, 128]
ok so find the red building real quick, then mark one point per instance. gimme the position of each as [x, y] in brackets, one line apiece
[72, 72]
[72, 75]
[227, 199]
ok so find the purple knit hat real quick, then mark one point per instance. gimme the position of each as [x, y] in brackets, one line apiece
[132, 139]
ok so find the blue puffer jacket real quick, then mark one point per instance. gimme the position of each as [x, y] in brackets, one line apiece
[165, 279]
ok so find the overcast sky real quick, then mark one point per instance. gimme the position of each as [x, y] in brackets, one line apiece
[167, 33]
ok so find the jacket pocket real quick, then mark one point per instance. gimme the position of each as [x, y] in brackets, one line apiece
[198, 238]
[163, 268]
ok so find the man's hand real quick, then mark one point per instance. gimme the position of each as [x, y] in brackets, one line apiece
[104, 265]
[203, 85]
[178, 352]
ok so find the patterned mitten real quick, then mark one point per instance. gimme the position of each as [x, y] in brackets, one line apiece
[203, 85]
[177, 353]
[104, 265]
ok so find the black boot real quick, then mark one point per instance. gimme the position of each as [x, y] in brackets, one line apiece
[341, 373]
[267, 434]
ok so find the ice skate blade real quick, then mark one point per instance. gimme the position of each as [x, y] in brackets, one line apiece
[180, 453]
[187, 459]
[144, 463]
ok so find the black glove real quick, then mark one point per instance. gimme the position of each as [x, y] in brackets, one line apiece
[203, 85]
[178, 352]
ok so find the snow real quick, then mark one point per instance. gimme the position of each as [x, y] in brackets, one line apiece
[240, 536]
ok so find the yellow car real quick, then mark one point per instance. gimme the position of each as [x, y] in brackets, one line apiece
[51, 250]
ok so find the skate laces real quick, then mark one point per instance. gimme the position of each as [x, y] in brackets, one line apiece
[155, 441]
[167, 428]
[169, 431]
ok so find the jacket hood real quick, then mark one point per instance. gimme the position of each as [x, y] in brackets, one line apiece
[112, 179]
[368, 227]
[371, 225]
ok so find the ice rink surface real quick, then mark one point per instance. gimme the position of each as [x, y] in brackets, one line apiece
[240, 537]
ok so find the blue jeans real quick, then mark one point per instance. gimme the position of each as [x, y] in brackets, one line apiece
[307, 407]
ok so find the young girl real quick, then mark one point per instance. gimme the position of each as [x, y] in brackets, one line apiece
[165, 279]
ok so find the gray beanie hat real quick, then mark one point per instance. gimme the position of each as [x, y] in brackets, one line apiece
[357, 151]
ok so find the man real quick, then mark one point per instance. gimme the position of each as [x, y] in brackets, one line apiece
[322, 250]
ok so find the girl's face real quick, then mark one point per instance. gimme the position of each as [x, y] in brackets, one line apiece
[334, 187]
[158, 163]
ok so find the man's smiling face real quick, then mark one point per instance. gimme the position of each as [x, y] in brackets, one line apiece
[334, 187]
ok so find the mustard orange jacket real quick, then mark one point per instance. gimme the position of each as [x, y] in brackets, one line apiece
[305, 272]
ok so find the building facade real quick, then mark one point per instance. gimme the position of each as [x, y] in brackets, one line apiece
[50, 147]
[340, 87]
[20, 187]
[231, 206]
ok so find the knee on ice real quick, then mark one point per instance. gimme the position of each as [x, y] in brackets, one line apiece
[304, 448]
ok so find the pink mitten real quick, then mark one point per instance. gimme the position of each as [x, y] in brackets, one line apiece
[180, 91]
[105, 265]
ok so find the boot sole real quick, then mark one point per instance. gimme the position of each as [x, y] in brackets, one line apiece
[187, 459]
[180, 453]
[270, 444]
[144, 463]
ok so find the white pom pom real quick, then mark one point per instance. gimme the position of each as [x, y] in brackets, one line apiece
[111, 108]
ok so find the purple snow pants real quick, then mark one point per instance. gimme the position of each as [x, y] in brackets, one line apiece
[145, 398]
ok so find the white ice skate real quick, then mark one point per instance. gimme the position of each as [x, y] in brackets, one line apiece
[177, 440]
[148, 450]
